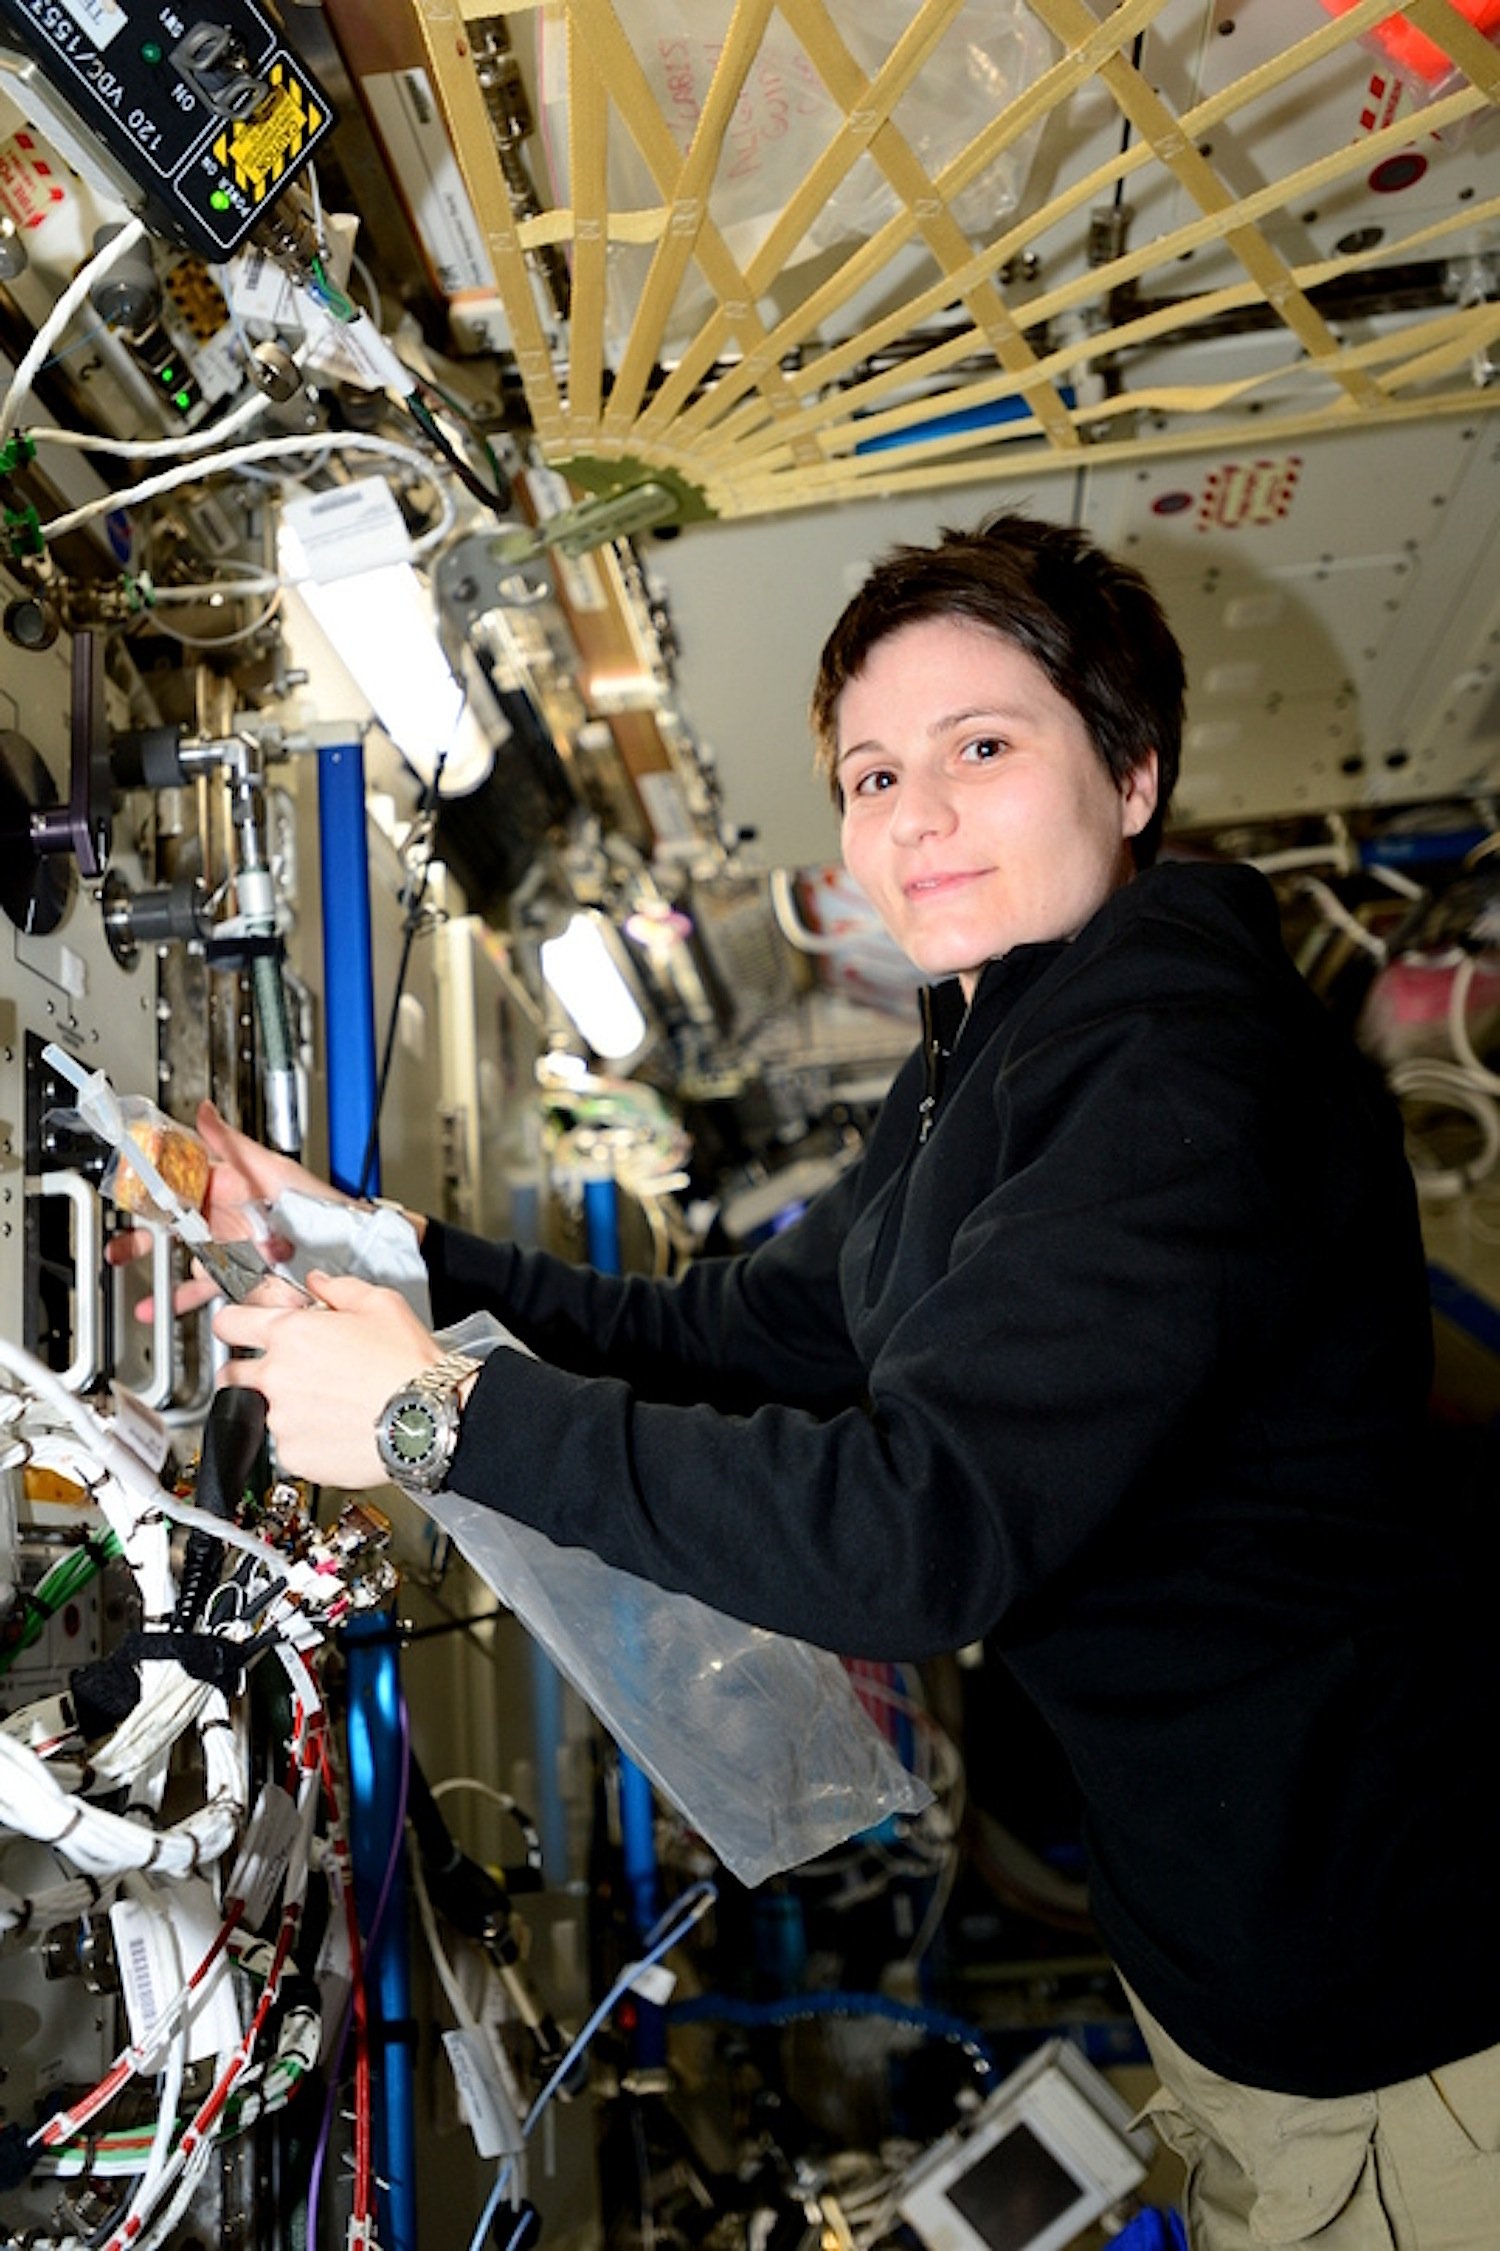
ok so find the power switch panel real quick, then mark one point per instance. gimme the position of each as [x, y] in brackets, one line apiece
[220, 72]
[211, 115]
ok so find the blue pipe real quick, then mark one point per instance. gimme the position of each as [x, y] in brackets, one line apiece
[377, 1722]
[348, 972]
[378, 1752]
[601, 1217]
[1441, 847]
[962, 420]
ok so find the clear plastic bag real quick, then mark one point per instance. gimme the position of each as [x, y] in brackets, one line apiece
[144, 1142]
[786, 117]
[758, 1740]
[991, 52]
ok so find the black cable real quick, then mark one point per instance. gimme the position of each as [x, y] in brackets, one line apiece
[496, 500]
[402, 1634]
[426, 807]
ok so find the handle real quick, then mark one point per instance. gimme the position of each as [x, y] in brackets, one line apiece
[159, 1392]
[232, 1439]
[84, 825]
[82, 1371]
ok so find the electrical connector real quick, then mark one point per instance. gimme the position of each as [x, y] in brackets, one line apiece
[23, 531]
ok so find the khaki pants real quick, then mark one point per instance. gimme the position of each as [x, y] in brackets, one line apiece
[1414, 2167]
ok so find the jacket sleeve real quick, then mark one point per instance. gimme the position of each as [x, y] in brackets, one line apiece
[1137, 1244]
[730, 1331]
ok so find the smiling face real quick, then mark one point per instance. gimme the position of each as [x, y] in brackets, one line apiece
[977, 814]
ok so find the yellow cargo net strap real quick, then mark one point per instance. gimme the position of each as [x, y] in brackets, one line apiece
[764, 408]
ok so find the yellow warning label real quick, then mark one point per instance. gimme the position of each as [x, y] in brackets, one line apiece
[257, 150]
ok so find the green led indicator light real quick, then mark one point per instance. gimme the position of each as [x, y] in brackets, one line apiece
[219, 201]
[168, 375]
[182, 400]
[150, 52]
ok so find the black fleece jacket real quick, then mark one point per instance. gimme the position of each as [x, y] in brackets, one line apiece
[1113, 1348]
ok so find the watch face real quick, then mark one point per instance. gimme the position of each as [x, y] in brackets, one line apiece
[417, 1431]
[411, 1433]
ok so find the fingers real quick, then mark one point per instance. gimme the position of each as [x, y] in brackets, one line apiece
[265, 1173]
[344, 1292]
[254, 1173]
[326, 1377]
[251, 1327]
[199, 1289]
[187, 1297]
[218, 1135]
[249, 1375]
[278, 1290]
[131, 1243]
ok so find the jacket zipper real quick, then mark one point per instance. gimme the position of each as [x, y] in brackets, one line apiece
[935, 1055]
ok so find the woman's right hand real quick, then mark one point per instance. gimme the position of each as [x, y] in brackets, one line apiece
[246, 1172]
[242, 1173]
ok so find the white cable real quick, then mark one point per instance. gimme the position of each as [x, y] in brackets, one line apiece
[458, 2001]
[452, 1782]
[447, 1977]
[174, 2070]
[1301, 856]
[1449, 1085]
[170, 1703]
[1395, 879]
[230, 589]
[207, 434]
[61, 1903]
[193, 2170]
[262, 449]
[1458, 1025]
[670, 1931]
[809, 941]
[100, 1843]
[225, 1529]
[125, 1489]
[191, 2165]
[190, 1995]
[1333, 910]
[117, 1461]
[240, 633]
[57, 320]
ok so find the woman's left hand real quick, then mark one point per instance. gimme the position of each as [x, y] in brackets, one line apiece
[326, 1371]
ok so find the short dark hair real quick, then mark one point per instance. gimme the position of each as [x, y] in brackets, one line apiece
[1091, 623]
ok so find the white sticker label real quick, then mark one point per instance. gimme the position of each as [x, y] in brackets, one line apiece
[261, 1868]
[259, 290]
[410, 123]
[335, 1980]
[481, 2097]
[103, 20]
[140, 1427]
[353, 527]
[352, 351]
[33, 185]
[158, 1950]
[666, 807]
[654, 1982]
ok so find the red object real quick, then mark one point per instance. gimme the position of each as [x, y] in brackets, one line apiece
[1411, 50]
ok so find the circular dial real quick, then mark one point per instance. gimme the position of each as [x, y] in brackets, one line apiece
[412, 1432]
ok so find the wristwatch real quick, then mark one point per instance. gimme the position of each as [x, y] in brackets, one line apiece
[416, 1430]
